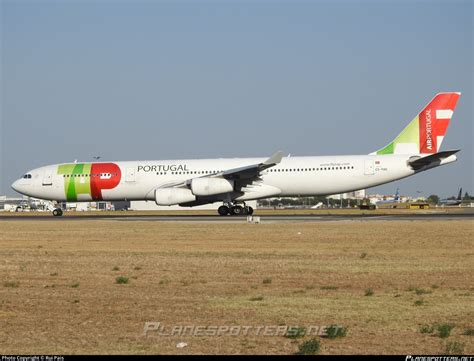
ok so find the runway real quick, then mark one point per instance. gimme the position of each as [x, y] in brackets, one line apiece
[467, 214]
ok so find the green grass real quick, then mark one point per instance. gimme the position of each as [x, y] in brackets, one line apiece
[421, 291]
[164, 281]
[369, 292]
[444, 330]
[454, 348]
[426, 329]
[329, 287]
[121, 280]
[469, 331]
[310, 347]
[11, 284]
[75, 285]
[256, 298]
[299, 292]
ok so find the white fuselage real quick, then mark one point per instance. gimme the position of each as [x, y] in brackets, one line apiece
[293, 176]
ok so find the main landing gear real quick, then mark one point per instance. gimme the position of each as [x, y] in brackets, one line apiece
[234, 210]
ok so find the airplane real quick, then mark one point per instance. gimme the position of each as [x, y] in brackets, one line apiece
[452, 202]
[317, 206]
[234, 181]
[392, 202]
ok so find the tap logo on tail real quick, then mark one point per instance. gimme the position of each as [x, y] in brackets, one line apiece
[426, 132]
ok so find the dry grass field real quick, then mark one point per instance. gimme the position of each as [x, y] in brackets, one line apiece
[383, 280]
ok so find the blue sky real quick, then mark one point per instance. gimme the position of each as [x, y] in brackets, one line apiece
[167, 80]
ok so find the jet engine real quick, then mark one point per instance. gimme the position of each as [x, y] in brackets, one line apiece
[211, 186]
[170, 196]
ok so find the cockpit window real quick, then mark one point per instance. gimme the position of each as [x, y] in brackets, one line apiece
[27, 176]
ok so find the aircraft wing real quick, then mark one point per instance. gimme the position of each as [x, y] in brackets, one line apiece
[251, 171]
[242, 176]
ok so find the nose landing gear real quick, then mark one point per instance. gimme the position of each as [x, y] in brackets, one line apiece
[57, 212]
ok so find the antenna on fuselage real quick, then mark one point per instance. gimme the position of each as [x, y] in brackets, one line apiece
[96, 158]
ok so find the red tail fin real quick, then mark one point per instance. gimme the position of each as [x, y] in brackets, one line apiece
[434, 121]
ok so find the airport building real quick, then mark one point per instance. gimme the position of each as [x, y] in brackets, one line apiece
[374, 198]
[18, 204]
[360, 194]
[10, 204]
[27, 204]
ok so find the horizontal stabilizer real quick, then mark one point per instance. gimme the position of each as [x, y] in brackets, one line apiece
[436, 159]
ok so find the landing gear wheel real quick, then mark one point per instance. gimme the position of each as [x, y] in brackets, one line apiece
[249, 210]
[237, 210]
[223, 210]
[58, 212]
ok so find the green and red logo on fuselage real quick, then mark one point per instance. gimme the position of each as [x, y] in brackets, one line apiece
[85, 181]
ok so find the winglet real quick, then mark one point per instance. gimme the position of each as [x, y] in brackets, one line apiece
[274, 159]
[251, 171]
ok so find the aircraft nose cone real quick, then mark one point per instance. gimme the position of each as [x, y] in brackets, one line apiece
[16, 186]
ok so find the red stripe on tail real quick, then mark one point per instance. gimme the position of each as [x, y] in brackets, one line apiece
[430, 126]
